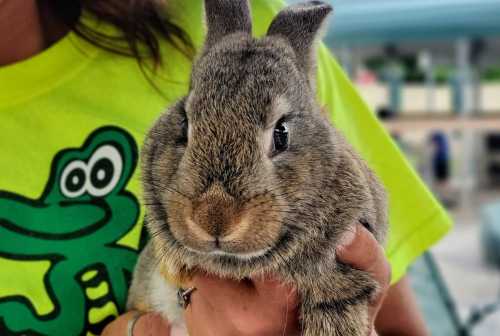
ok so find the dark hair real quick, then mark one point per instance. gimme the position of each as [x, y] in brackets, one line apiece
[141, 23]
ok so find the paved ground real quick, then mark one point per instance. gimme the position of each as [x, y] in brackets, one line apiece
[470, 281]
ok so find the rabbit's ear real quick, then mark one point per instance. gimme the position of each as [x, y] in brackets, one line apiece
[224, 17]
[300, 24]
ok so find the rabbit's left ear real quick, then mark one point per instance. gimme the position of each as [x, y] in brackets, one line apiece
[299, 24]
[225, 17]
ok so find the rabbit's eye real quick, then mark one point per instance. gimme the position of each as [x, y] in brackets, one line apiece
[280, 137]
[183, 138]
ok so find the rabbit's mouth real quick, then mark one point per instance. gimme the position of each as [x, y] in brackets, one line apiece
[231, 263]
[208, 253]
[226, 247]
[219, 252]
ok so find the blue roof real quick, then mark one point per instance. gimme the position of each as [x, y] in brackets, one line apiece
[377, 21]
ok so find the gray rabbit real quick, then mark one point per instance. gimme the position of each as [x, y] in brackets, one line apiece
[245, 176]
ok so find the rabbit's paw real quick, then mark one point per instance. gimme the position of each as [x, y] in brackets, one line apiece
[335, 319]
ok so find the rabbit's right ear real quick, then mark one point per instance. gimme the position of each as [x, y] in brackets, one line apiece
[299, 24]
[224, 17]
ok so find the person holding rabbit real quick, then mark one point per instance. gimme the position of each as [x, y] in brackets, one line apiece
[80, 84]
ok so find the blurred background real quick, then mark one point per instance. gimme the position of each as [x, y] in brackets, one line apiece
[430, 69]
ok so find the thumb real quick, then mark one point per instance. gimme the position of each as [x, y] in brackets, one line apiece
[361, 250]
[149, 324]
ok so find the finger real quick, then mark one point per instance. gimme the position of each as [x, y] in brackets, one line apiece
[119, 325]
[151, 325]
[147, 325]
[276, 290]
[219, 293]
[363, 252]
[211, 284]
[209, 305]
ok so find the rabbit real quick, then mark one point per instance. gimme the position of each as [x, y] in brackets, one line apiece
[245, 177]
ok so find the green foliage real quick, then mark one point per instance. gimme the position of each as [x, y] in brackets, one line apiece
[491, 74]
[443, 73]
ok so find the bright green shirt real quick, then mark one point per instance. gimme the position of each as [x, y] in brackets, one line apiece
[71, 121]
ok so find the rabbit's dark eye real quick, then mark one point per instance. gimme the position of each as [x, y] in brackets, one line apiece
[183, 138]
[280, 137]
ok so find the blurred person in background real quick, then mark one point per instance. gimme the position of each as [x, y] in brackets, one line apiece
[80, 84]
[440, 161]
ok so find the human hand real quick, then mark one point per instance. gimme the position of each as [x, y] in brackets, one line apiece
[146, 325]
[362, 251]
[260, 307]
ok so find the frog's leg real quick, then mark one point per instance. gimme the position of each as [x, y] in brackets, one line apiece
[101, 305]
[106, 285]
[127, 259]
[69, 302]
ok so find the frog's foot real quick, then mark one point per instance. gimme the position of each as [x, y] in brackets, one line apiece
[100, 306]
[17, 316]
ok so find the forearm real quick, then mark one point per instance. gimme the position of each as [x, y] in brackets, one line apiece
[400, 314]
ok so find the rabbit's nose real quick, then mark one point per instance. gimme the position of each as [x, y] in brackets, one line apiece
[214, 215]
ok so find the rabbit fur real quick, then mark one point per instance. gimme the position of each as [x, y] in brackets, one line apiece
[220, 200]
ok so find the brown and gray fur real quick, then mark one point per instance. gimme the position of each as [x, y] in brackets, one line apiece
[220, 201]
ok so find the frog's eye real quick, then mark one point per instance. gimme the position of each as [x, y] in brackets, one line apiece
[104, 168]
[73, 179]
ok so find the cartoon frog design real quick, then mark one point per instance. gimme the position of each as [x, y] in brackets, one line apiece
[71, 233]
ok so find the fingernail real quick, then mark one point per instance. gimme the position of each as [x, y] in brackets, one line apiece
[348, 237]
